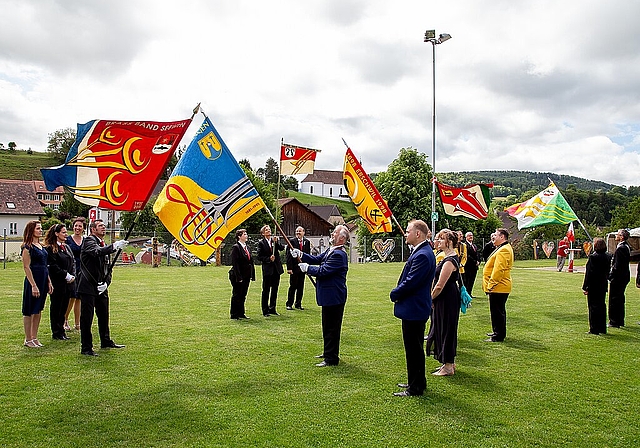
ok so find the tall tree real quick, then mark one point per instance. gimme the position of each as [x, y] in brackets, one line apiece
[12, 146]
[60, 143]
[72, 206]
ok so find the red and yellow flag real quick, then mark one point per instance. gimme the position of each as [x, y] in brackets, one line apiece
[365, 196]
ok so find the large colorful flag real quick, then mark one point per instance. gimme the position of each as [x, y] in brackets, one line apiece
[547, 207]
[207, 195]
[471, 201]
[117, 164]
[365, 196]
[297, 159]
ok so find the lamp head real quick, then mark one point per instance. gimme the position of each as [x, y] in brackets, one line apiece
[444, 37]
[429, 35]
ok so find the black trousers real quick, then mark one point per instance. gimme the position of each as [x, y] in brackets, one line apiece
[616, 302]
[597, 311]
[57, 310]
[88, 305]
[413, 338]
[331, 328]
[469, 277]
[238, 297]
[296, 289]
[498, 309]
[270, 284]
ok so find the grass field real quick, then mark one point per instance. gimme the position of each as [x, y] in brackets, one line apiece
[347, 209]
[23, 166]
[190, 376]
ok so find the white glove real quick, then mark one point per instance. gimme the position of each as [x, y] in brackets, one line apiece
[295, 253]
[304, 267]
[69, 278]
[102, 287]
[120, 244]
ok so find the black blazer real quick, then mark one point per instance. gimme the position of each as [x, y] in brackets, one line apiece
[596, 272]
[264, 255]
[473, 257]
[620, 263]
[94, 265]
[241, 265]
[292, 263]
[60, 264]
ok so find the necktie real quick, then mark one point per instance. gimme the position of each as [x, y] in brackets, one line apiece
[300, 245]
[101, 243]
[247, 252]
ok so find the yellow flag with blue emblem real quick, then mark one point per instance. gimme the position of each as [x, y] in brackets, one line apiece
[207, 196]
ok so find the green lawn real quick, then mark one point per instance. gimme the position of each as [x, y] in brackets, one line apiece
[24, 166]
[190, 376]
[347, 209]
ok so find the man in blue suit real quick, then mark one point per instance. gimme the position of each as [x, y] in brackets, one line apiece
[330, 270]
[412, 299]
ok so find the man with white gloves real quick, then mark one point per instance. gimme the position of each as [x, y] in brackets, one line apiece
[93, 280]
[330, 270]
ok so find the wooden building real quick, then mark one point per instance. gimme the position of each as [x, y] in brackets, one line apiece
[294, 214]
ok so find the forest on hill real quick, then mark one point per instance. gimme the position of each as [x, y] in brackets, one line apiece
[516, 183]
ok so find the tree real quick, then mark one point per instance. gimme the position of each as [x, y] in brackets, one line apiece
[406, 186]
[60, 143]
[148, 222]
[290, 183]
[269, 174]
[626, 216]
[71, 206]
[12, 146]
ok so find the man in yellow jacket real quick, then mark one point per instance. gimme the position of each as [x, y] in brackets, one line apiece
[496, 282]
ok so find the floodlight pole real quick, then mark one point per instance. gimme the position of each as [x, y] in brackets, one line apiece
[430, 36]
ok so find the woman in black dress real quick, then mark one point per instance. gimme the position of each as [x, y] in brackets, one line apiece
[36, 282]
[443, 334]
[61, 266]
[595, 286]
[75, 244]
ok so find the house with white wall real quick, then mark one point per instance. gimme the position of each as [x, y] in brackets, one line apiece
[325, 183]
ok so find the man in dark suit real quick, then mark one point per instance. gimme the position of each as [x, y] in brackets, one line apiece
[269, 254]
[488, 248]
[619, 279]
[296, 279]
[330, 270]
[473, 261]
[412, 299]
[93, 280]
[241, 274]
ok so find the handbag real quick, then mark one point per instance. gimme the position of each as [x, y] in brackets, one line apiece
[465, 299]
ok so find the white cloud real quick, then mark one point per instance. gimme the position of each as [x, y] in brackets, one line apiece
[541, 86]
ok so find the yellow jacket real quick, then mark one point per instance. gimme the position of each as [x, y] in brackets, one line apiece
[439, 256]
[462, 255]
[496, 275]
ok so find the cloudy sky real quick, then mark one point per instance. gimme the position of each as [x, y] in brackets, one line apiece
[538, 85]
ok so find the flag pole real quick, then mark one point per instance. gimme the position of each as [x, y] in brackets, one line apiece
[279, 175]
[126, 238]
[286, 239]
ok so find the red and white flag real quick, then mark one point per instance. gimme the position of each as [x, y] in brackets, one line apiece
[297, 159]
[570, 233]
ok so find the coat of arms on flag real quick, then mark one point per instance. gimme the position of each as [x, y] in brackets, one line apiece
[297, 159]
[207, 195]
[547, 207]
[116, 164]
[471, 201]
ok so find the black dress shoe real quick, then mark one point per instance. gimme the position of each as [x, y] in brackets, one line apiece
[491, 334]
[266, 314]
[275, 313]
[319, 356]
[244, 316]
[112, 345]
[492, 340]
[88, 353]
[289, 308]
[403, 386]
[404, 393]
[325, 364]
[299, 308]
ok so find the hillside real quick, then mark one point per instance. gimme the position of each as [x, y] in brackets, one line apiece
[518, 182]
[24, 166]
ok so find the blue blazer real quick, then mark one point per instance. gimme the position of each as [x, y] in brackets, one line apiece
[412, 296]
[330, 270]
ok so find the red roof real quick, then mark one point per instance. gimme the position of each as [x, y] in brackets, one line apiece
[18, 197]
